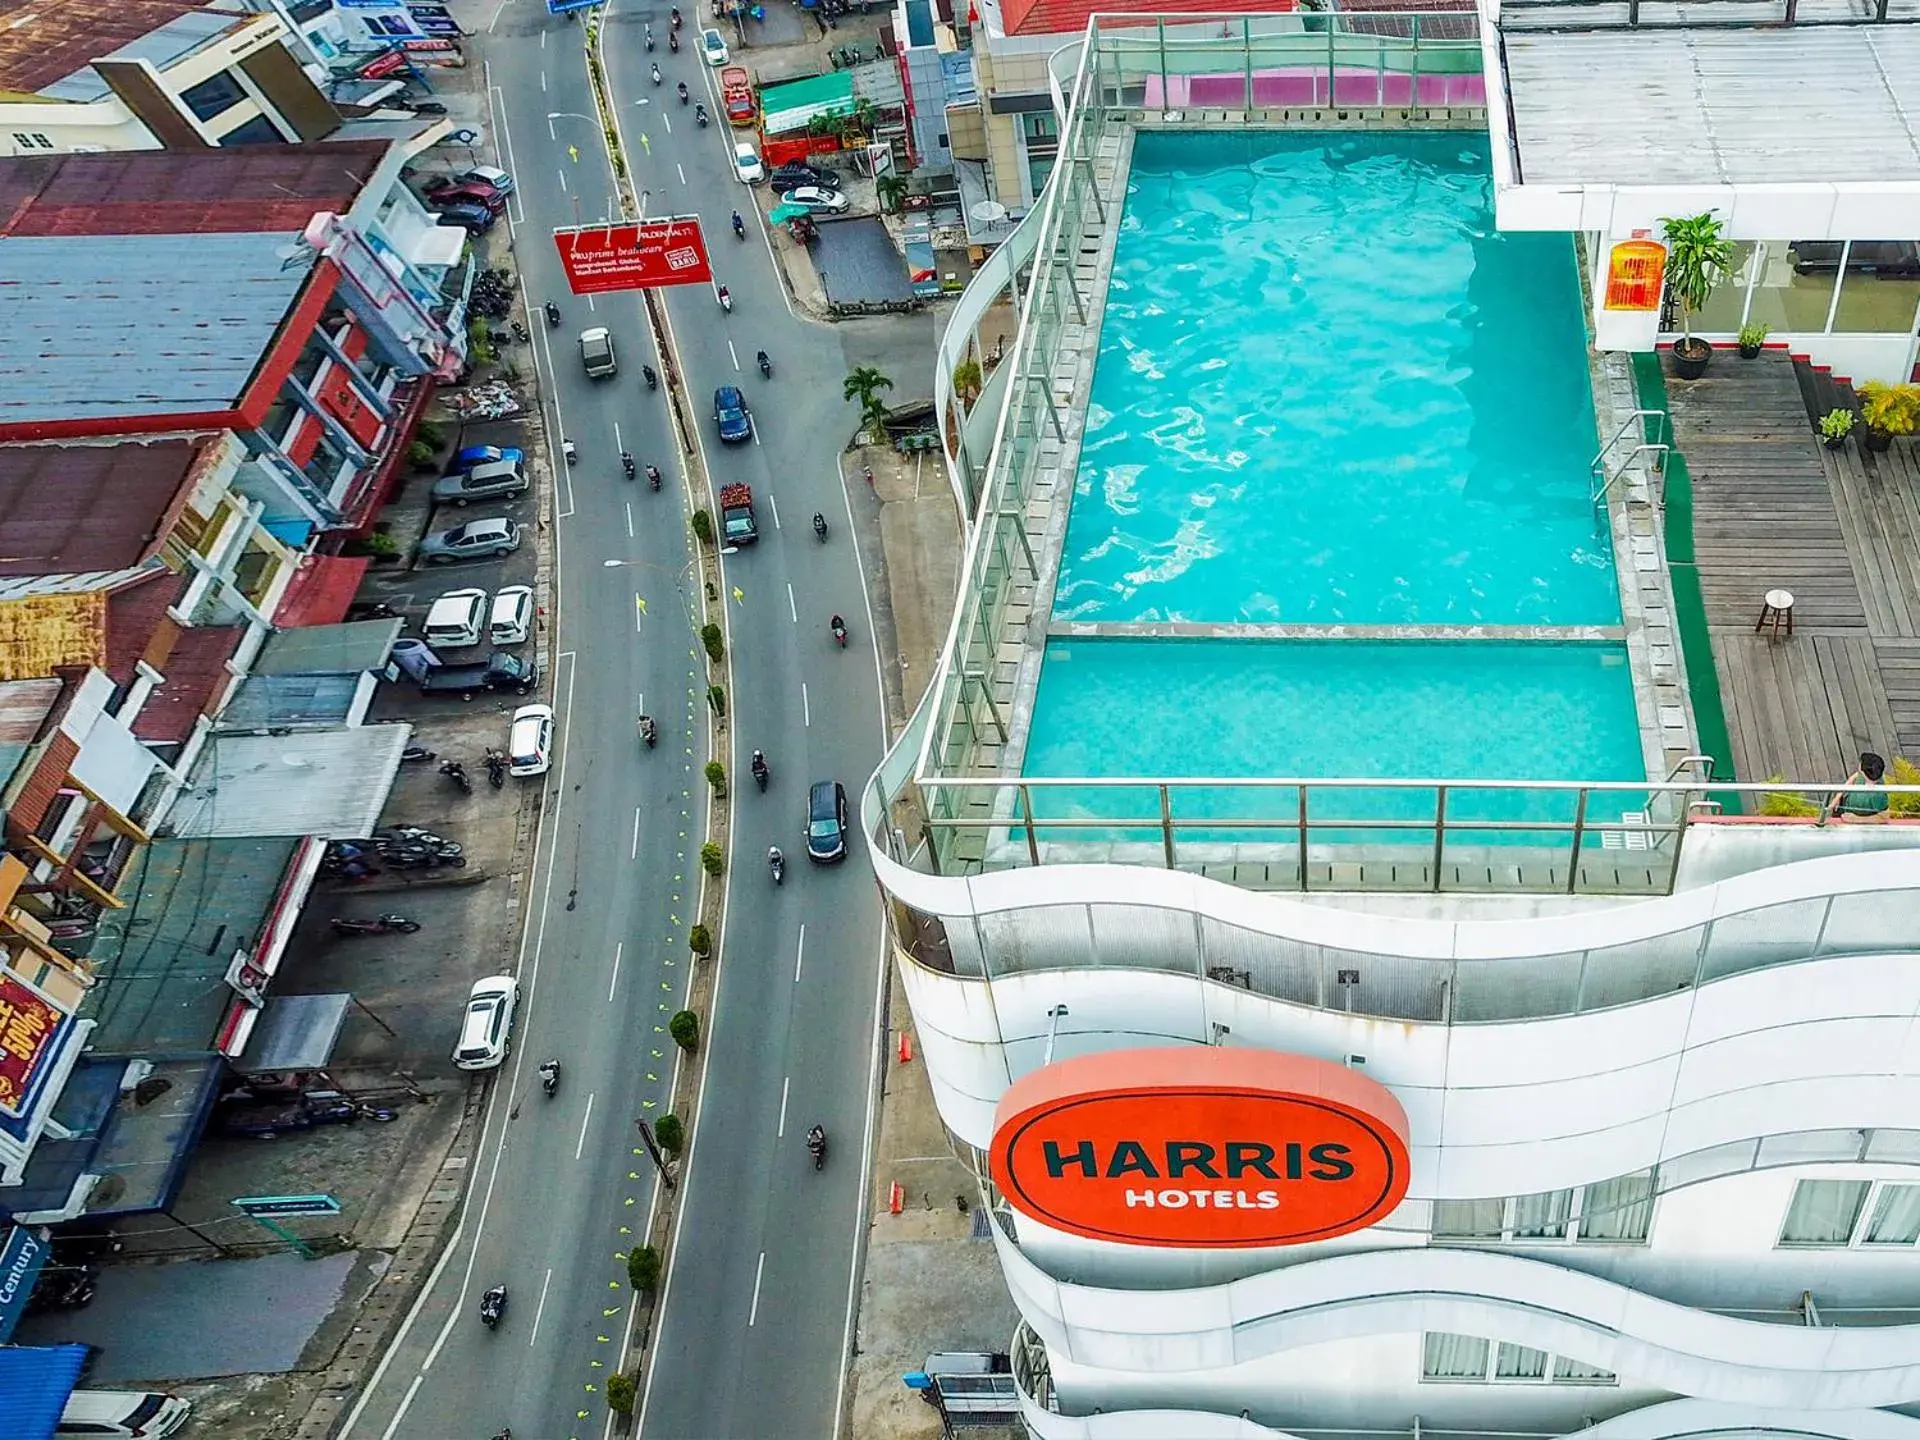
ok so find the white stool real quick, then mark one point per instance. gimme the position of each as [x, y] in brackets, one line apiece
[1775, 608]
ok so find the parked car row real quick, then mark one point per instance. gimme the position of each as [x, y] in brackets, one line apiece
[472, 198]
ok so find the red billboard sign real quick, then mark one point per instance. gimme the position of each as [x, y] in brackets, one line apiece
[28, 1025]
[634, 255]
[1201, 1148]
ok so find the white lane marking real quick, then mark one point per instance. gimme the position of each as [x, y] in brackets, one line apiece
[799, 954]
[590, 304]
[639, 611]
[781, 1133]
[772, 504]
[617, 446]
[629, 519]
[499, 1103]
[613, 981]
[791, 608]
[636, 834]
[580, 1148]
[541, 1308]
[543, 82]
[563, 182]
[753, 1314]
[755, 429]
[733, 354]
[806, 709]
[681, 170]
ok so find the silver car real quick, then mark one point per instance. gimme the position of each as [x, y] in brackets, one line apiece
[483, 482]
[475, 540]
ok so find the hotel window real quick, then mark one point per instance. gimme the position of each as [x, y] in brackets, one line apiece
[1522, 1217]
[213, 96]
[1617, 1212]
[1823, 1212]
[1852, 1212]
[1451, 1359]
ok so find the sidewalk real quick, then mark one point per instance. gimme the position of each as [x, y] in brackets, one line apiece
[931, 1280]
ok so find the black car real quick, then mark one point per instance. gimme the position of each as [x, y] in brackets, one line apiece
[826, 822]
[796, 173]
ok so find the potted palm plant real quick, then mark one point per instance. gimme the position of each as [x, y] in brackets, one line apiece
[1699, 257]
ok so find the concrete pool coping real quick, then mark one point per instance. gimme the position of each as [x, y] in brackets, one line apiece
[1277, 630]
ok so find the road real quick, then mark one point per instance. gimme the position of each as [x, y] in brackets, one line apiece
[757, 1309]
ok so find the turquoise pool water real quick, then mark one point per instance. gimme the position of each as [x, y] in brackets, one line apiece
[1328, 390]
[1333, 708]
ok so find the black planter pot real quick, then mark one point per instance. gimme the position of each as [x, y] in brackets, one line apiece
[1878, 441]
[1834, 442]
[1691, 364]
[1749, 352]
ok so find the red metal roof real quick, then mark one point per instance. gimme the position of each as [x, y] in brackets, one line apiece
[42, 41]
[1069, 17]
[321, 590]
[134, 612]
[246, 189]
[196, 671]
[65, 509]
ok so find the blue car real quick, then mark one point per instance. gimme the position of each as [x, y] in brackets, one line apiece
[485, 455]
[731, 416]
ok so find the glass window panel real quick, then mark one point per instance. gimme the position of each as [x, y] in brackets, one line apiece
[212, 95]
[1542, 1216]
[1721, 314]
[1468, 1219]
[1823, 1212]
[1618, 1210]
[1453, 1357]
[1519, 1362]
[1880, 287]
[1572, 1372]
[1794, 285]
[1896, 1217]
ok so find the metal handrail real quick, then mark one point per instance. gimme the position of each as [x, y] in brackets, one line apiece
[1601, 476]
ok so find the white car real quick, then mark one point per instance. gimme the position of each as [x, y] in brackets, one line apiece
[713, 47]
[530, 741]
[823, 202]
[485, 1032]
[746, 165]
[511, 619]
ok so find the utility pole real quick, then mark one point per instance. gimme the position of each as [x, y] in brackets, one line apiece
[653, 1149]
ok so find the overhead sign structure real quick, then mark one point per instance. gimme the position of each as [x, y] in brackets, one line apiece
[564, 7]
[260, 1206]
[634, 255]
[1201, 1148]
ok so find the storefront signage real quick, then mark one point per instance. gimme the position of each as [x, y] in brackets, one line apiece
[1200, 1148]
[1635, 272]
[634, 256]
[21, 1255]
[29, 1025]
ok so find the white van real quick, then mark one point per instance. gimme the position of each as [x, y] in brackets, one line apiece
[511, 619]
[455, 619]
[596, 352]
[124, 1414]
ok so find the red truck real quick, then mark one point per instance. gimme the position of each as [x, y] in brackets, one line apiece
[736, 90]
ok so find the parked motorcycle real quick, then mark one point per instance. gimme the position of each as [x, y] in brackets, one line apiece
[419, 752]
[457, 773]
[496, 764]
[379, 925]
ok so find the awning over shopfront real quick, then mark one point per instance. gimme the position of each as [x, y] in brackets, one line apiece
[328, 649]
[792, 107]
[324, 586]
[330, 783]
[295, 1032]
[129, 1144]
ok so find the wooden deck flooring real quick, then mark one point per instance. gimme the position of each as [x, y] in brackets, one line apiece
[1773, 508]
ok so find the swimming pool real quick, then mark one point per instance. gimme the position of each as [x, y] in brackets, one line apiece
[1329, 391]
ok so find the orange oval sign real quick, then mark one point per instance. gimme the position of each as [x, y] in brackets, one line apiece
[1200, 1148]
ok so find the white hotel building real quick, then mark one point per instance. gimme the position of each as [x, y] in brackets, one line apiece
[1662, 1112]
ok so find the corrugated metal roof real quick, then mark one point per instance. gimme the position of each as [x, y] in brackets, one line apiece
[790, 106]
[35, 1381]
[196, 671]
[161, 963]
[268, 702]
[162, 46]
[24, 707]
[113, 326]
[43, 40]
[328, 649]
[42, 634]
[71, 508]
[1716, 106]
[330, 783]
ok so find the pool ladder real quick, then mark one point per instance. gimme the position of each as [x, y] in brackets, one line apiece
[1608, 465]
